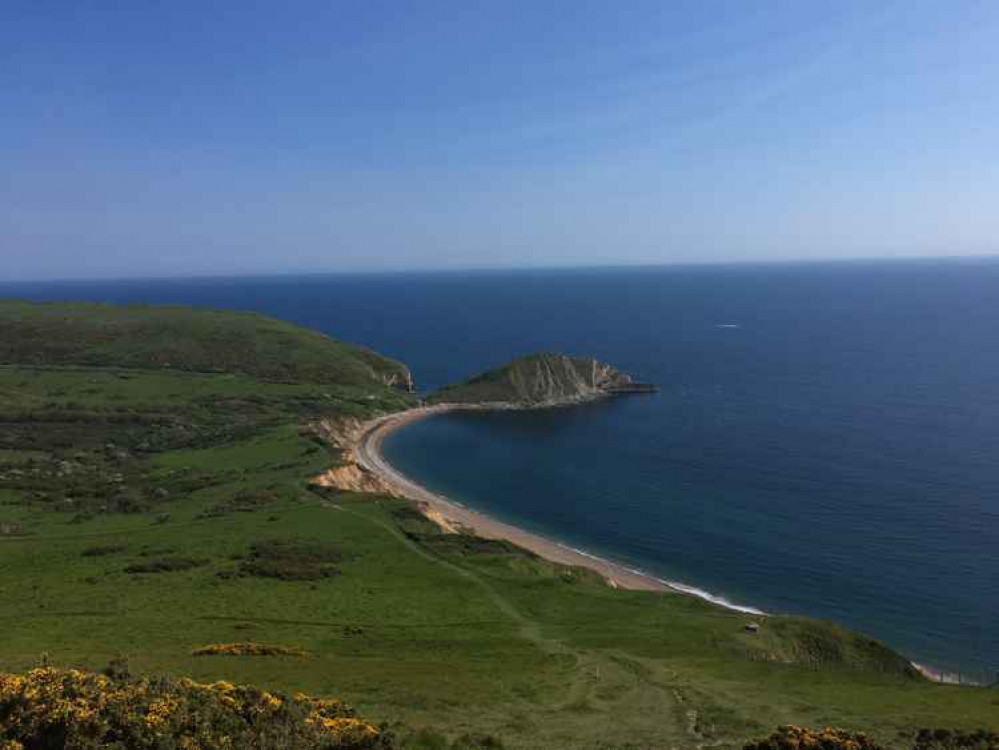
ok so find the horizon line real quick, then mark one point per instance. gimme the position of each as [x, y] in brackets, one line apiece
[475, 270]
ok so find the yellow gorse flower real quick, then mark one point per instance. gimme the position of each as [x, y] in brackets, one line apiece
[247, 648]
[160, 711]
[204, 716]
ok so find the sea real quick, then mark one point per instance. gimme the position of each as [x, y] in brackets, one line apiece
[825, 440]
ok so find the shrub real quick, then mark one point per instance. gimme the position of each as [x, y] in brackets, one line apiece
[247, 648]
[287, 549]
[165, 565]
[284, 570]
[955, 739]
[50, 708]
[244, 501]
[102, 550]
[800, 738]
[290, 560]
[792, 737]
[118, 669]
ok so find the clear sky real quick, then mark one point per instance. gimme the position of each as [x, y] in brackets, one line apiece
[205, 136]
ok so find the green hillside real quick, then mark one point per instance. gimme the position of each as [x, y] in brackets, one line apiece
[158, 509]
[184, 339]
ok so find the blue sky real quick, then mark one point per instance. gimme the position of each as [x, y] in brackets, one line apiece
[191, 137]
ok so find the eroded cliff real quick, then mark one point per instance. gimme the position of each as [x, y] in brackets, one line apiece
[544, 379]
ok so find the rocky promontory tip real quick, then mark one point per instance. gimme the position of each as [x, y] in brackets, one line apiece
[542, 379]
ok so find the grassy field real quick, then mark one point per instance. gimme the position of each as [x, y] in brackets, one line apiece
[151, 511]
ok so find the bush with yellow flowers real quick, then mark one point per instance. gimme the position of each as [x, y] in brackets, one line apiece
[790, 737]
[247, 648]
[76, 710]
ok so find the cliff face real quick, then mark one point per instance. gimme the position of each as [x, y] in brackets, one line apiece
[543, 379]
[389, 371]
[401, 379]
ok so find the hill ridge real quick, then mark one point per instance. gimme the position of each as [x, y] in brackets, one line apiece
[177, 337]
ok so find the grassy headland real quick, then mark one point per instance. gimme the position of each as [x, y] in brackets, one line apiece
[538, 379]
[155, 499]
[186, 340]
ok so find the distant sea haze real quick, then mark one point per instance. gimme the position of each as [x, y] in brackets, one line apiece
[825, 441]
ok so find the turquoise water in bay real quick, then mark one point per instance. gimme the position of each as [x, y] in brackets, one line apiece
[825, 441]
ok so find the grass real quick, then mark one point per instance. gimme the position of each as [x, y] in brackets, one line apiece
[489, 643]
[182, 338]
[440, 635]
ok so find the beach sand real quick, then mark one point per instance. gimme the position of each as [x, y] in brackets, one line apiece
[367, 453]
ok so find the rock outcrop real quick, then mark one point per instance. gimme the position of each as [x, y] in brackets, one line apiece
[543, 379]
[390, 372]
[401, 379]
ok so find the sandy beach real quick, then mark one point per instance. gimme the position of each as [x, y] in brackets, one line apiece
[367, 454]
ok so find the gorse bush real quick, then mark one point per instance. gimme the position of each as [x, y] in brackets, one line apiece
[247, 648]
[50, 708]
[790, 737]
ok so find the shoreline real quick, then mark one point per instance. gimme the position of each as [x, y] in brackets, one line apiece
[366, 452]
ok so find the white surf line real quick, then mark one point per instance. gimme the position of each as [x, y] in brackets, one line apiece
[680, 588]
[370, 456]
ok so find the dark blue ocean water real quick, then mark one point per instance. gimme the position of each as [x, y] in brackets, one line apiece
[826, 440]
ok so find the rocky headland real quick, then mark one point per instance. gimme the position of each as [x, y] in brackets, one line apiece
[541, 380]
